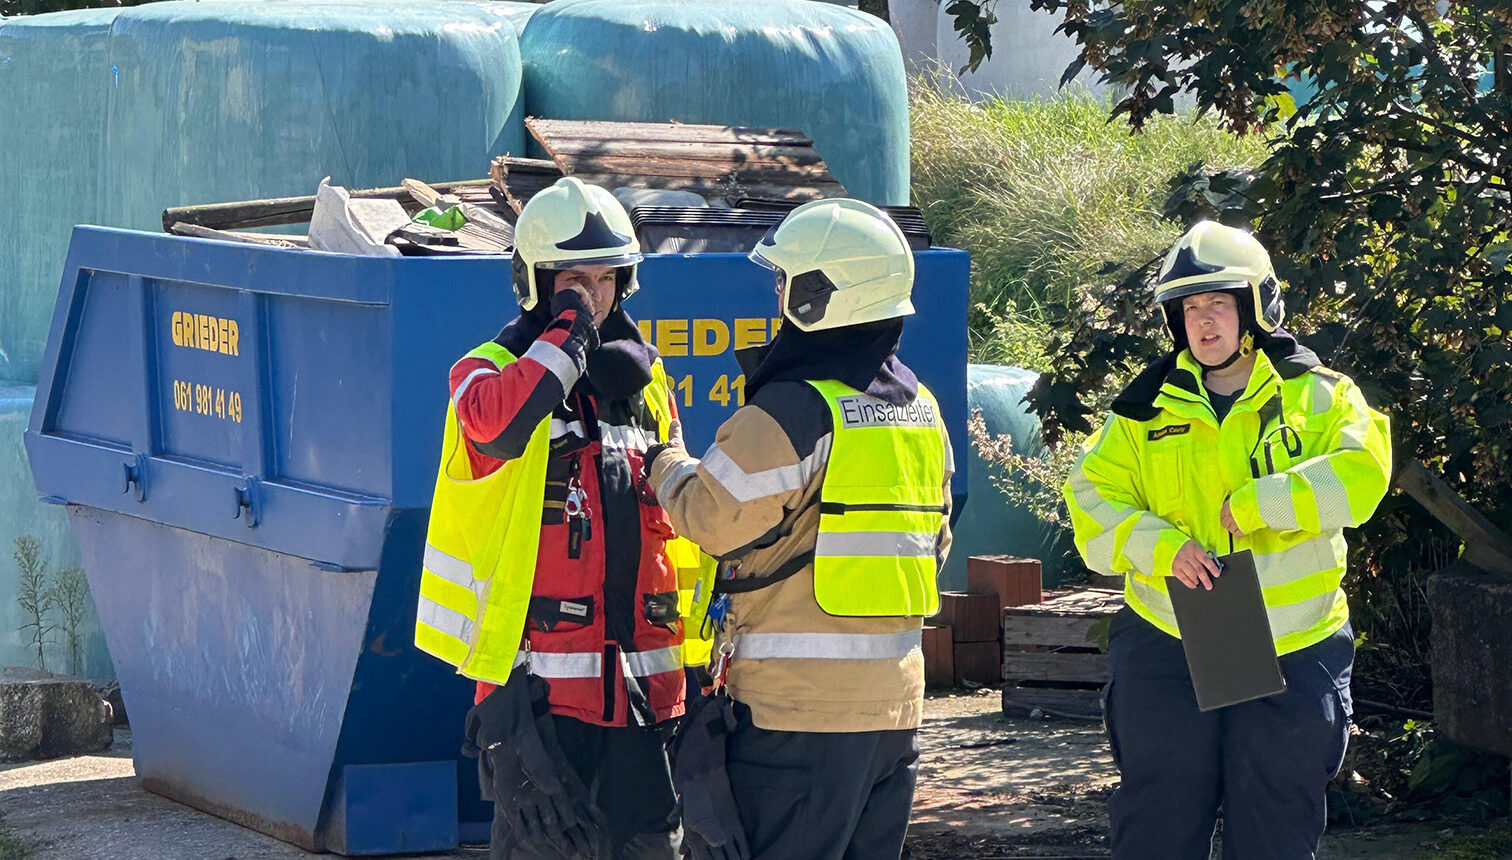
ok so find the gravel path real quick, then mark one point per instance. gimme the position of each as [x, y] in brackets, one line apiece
[990, 786]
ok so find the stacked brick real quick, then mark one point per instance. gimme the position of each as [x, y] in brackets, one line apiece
[963, 643]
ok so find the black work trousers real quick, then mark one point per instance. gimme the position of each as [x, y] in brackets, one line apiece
[627, 772]
[1266, 763]
[822, 795]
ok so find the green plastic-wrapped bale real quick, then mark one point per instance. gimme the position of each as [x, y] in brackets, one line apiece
[833, 72]
[246, 100]
[990, 524]
[54, 82]
[23, 516]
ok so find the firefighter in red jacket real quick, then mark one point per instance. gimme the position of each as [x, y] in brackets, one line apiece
[543, 522]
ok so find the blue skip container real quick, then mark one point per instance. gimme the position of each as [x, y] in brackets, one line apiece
[246, 438]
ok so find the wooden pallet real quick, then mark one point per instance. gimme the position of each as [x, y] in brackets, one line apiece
[1051, 659]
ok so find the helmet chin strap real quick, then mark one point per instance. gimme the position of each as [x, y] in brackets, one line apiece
[1224, 364]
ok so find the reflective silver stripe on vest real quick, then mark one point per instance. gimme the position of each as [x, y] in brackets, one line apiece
[448, 621]
[625, 437]
[1329, 495]
[828, 646]
[448, 567]
[1273, 498]
[549, 664]
[901, 544]
[1297, 617]
[643, 663]
[1308, 557]
[590, 664]
[560, 428]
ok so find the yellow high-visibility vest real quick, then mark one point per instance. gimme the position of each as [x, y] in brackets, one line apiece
[480, 550]
[691, 564]
[695, 587]
[482, 544]
[881, 505]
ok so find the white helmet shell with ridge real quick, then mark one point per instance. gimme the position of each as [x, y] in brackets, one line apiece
[845, 262]
[1213, 257]
[572, 223]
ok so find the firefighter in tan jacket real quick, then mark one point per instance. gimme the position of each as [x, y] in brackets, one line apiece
[826, 499]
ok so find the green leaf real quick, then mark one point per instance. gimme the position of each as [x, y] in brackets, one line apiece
[1281, 105]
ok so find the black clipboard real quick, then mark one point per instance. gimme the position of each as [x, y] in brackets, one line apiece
[1227, 635]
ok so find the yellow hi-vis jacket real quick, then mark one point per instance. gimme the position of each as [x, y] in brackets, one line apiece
[1300, 457]
[481, 547]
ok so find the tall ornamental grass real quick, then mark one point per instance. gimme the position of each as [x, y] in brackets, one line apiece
[1048, 196]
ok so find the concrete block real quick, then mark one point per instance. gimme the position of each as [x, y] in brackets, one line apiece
[1471, 641]
[48, 716]
[1015, 581]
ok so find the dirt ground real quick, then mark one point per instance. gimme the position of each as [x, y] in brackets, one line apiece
[994, 786]
[989, 787]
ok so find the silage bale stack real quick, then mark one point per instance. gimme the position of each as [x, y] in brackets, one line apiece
[834, 73]
[239, 101]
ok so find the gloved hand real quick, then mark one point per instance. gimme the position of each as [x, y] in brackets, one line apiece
[583, 329]
[619, 368]
[522, 770]
[711, 820]
[674, 440]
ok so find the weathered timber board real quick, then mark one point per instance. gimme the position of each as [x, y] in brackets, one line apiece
[1049, 631]
[1086, 703]
[1054, 666]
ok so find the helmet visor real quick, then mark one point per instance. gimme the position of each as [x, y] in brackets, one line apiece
[1181, 291]
[763, 262]
[767, 241]
[617, 259]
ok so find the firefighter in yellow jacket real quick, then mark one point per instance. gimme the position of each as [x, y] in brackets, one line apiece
[1239, 437]
[826, 497]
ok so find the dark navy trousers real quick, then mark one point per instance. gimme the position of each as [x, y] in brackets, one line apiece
[1263, 766]
[822, 795]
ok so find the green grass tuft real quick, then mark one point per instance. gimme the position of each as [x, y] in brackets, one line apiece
[1492, 844]
[12, 848]
[1044, 194]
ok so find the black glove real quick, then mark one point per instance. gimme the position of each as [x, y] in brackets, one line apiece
[619, 368]
[711, 820]
[674, 440]
[521, 768]
[583, 329]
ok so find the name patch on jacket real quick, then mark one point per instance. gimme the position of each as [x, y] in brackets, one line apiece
[1169, 430]
[863, 410]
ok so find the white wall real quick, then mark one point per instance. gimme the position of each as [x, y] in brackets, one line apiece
[1028, 56]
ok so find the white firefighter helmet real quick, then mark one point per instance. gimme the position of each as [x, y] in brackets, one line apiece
[845, 263]
[1214, 257]
[572, 223]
